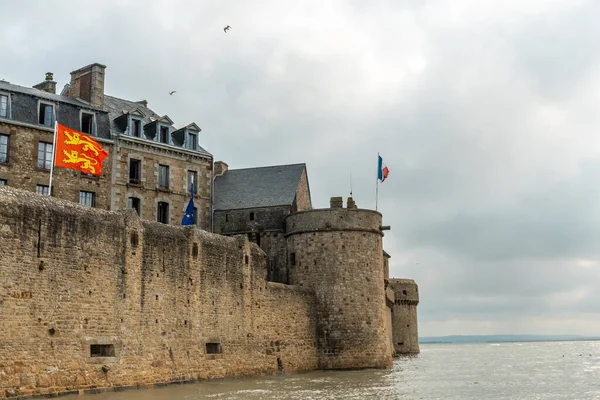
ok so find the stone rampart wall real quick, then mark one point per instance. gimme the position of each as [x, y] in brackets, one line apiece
[93, 299]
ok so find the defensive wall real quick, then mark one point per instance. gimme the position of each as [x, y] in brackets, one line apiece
[404, 316]
[337, 252]
[99, 299]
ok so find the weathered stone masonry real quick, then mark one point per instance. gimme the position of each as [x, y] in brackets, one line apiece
[92, 298]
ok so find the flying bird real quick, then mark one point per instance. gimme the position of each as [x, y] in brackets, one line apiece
[226, 28]
[171, 93]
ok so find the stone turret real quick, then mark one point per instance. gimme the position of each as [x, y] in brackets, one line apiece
[337, 252]
[404, 316]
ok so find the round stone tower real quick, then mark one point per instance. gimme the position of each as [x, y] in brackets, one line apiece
[405, 334]
[338, 253]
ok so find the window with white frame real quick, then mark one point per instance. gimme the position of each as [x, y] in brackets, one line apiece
[192, 142]
[88, 123]
[46, 114]
[4, 106]
[163, 177]
[4, 148]
[44, 155]
[42, 189]
[136, 127]
[193, 178]
[163, 134]
[87, 198]
[162, 212]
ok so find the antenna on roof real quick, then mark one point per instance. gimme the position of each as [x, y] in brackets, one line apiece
[350, 183]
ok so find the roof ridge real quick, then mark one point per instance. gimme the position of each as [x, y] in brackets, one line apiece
[269, 166]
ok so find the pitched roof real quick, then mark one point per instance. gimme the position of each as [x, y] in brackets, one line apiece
[257, 187]
[117, 107]
[9, 87]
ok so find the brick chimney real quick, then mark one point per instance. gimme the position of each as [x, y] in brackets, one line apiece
[351, 203]
[48, 85]
[220, 168]
[336, 202]
[87, 84]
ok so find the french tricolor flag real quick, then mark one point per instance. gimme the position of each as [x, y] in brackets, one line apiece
[382, 170]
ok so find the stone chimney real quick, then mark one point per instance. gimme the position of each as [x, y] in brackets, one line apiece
[351, 203]
[336, 202]
[48, 85]
[220, 168]
[87, 84]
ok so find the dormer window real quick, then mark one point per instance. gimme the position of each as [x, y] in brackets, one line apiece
[136, 127]
[46, 114]
[192, 142]
[4, 105]
[88, 123]
[163, 135]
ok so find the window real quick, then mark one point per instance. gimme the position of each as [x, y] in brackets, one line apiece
[193, 178]
[213, 348]
[4, 113]
[136, 127]
[252, 216]
[163, 136]
[2, 182]
[46, 114]
[135, 171]
[102, 350]
[42, 189]
[192, 143]
[87, 198]
[293, 259]
[4, 148]
[226, 217]
[134, 202]
[88, 123]
[163, 177]
[162, 214]
[44, 155]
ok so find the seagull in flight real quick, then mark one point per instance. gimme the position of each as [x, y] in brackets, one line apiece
[171, 93]
[226, 28]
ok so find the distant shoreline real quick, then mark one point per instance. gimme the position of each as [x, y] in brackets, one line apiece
[491, 339]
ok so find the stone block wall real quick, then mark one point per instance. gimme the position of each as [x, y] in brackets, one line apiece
[92, 298]
[338, 254]
[147, 190]
[404, 316]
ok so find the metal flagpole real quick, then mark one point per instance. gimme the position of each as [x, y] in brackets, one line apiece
[377, 184]
[53, 155]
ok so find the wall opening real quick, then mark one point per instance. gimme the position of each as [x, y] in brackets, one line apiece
[252, 216]
[404, 292]
[102, 350]
[134, 239]
[195, 250]
[246, 259]
[293, 258]
[214, 348]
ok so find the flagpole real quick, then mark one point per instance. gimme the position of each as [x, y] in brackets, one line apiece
[53, 156]
[377, 184]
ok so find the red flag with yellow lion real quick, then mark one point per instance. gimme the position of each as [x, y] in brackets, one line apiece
[78, 151]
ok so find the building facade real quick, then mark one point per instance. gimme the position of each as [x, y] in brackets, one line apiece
[151, 163]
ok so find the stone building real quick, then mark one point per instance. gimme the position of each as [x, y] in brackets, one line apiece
[151, 163]
[255, 202]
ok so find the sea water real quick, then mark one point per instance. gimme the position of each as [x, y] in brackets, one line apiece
[515, 371]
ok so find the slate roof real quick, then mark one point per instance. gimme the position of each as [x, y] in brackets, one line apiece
[116, 106]
[257, 187]
[9, 87]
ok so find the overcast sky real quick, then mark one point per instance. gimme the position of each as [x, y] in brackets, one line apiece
[485, 111]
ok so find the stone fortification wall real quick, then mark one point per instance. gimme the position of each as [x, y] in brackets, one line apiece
[338, 253]
[404, 316]
[94, 299]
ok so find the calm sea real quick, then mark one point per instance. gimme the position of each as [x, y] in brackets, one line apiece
[545, 370]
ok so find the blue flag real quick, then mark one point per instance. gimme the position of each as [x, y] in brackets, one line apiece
[188, 216]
